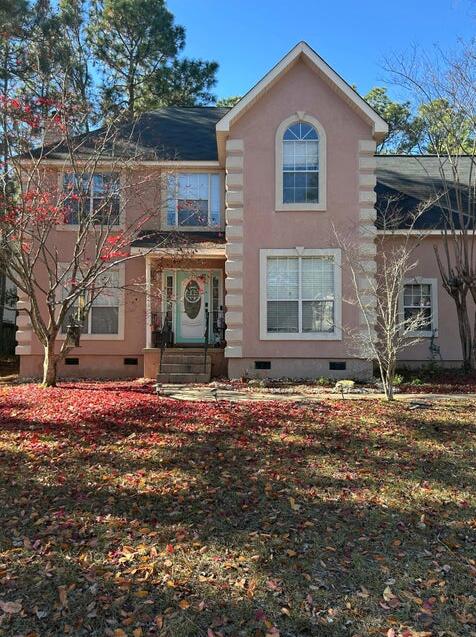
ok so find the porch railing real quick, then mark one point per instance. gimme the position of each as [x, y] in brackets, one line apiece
[166, 340]
[206, 337]
[163, 334]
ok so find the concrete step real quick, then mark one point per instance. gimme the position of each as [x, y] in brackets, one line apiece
[177, 359]
[185, 368]
[182, 379]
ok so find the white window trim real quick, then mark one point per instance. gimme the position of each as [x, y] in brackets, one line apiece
[122, 217]
[121, 313]
[208, 227]
[300, 207]
[433, 283]
[336, 335]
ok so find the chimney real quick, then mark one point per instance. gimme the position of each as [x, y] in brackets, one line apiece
[53, 131]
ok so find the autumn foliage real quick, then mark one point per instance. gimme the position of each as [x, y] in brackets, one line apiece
[122, 513]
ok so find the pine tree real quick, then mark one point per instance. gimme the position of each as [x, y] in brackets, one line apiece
[136, 44]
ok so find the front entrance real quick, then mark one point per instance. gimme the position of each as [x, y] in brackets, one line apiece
[192, 301]
[190, 298]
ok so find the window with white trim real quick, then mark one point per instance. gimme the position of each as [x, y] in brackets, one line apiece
[103, 314]
[419, 305]
[300, 295]
[300, 164]
[95, 195]
[194, 200]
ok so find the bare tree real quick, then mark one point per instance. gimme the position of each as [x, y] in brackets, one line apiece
[443, 90]
[62, 274]
[385, 329]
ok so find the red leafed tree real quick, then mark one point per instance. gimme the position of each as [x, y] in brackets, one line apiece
[54, 178]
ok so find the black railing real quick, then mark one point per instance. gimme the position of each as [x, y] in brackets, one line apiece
[206, 337]
[165, 339]
[162, 333]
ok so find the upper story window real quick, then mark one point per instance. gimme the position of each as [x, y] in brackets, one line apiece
[92, 195]
[300, 164]
[194, 200]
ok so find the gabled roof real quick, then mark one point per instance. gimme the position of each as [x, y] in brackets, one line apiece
[303, 51]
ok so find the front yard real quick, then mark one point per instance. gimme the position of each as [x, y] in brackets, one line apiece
[124, 514]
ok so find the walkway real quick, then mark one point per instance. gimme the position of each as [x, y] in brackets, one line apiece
[204, 393]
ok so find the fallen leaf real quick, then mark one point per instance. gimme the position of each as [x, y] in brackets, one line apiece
[293, 505]
[10, 608]
[63, 595]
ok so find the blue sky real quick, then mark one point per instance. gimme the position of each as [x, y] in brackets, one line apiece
[247, 37]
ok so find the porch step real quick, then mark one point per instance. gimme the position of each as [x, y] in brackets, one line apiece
[181, 367]
[182, 379]
[185, 367]
[181, 359]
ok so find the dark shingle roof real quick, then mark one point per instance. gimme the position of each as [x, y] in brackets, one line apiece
[172, 133]
[415, 180]
[181, 240]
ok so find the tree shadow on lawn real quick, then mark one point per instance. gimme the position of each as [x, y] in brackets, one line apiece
[265, 509]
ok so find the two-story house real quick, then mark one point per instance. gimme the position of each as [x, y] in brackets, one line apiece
[271, 181]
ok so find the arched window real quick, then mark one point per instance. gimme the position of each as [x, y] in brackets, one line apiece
[300, 164]
[300, 153]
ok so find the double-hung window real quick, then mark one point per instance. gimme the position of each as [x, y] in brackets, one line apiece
[194, 200]
[93, 197]
[420, 306]
[300, 164]
[300, 294]
[98, 308]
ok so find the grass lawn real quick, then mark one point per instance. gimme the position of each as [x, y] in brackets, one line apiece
[126, 514]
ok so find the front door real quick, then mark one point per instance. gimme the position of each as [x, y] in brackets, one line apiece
[192, 297]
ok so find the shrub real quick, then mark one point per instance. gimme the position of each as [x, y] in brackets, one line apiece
[398, 380]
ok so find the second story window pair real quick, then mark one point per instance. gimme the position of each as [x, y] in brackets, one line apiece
[92, 197]
[194, 200]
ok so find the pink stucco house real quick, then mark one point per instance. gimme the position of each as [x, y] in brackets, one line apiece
[272, 176]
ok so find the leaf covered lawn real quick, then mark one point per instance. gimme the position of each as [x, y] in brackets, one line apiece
[124, 514]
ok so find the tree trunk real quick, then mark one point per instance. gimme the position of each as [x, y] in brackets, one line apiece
[131, 102]
[387, 375]
[388, 385]
[467, 345]
[3, 295]
[50, 364]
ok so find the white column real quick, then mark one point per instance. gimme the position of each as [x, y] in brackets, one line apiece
[148, 310]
